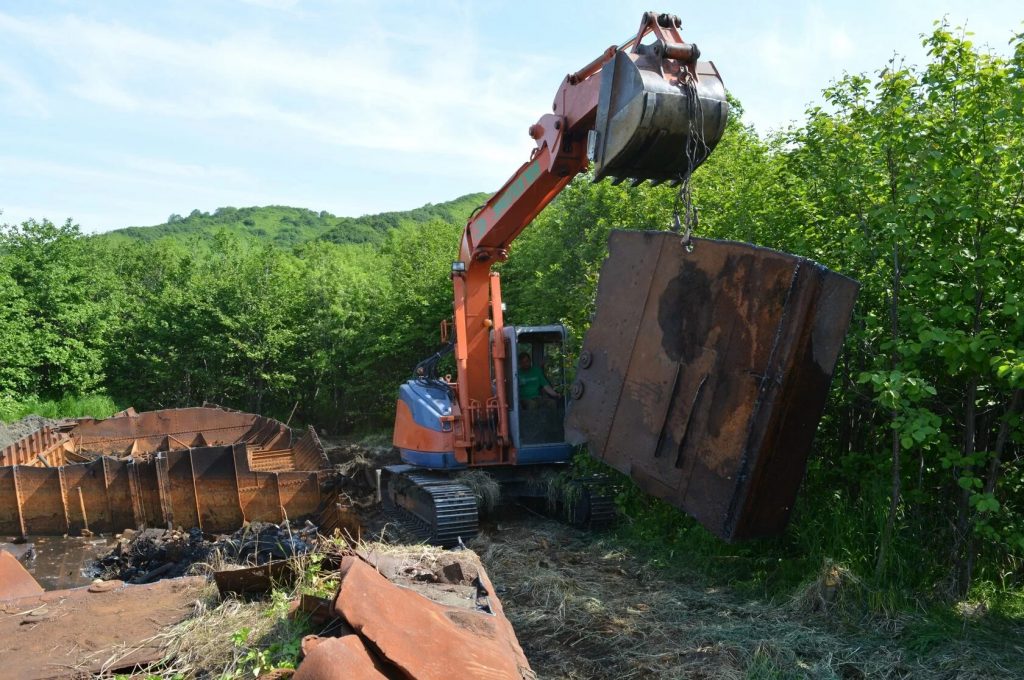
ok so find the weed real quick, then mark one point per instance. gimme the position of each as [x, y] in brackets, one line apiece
[68, 406]
[484, 487]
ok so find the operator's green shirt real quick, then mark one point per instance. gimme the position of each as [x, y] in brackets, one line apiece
[530, 382]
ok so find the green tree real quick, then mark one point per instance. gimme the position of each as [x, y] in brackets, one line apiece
[68, 295]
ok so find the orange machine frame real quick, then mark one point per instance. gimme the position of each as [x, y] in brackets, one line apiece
[561, 154]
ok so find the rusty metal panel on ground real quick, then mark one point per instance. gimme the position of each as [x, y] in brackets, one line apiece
[340, 658]
[401, 625]
[94, 631]
[705, 373]
[15, 581]
[258, 579]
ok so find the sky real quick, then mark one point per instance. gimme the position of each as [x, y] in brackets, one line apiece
[120, 113]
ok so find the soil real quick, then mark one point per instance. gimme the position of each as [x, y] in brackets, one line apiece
[12, 432]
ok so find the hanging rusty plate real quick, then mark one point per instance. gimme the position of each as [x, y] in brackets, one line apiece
[707, 372]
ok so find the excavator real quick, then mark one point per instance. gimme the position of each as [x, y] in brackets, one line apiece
[648, 109]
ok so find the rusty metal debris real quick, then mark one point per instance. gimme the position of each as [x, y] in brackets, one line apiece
[15, 581]
[426, 640]
[260, 579]
[411, 615]
[339, 658]
[103, 628]
[705, 373]
[210, 468]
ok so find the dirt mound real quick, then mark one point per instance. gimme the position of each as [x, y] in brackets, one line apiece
[12, 432]
[358, 462]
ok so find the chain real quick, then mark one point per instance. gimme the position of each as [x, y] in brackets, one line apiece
[684, 213]
[685, 217]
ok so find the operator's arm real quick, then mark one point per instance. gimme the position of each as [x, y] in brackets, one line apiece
[545, 385]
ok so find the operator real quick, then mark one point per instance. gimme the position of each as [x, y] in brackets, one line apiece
[532, 382]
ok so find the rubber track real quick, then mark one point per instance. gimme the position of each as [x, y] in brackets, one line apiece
[454, 511]
[601, 495]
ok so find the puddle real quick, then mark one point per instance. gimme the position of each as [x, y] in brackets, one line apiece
[59, 562]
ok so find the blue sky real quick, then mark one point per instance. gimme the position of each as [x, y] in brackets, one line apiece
[121, 113]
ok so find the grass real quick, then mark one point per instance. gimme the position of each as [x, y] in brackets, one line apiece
[235, 637]
[591, 606]
[484, 487]
[587, 606]
[68, 406]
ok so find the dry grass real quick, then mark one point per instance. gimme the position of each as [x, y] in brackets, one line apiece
[224, 638]
[484, 487]
[583, 608]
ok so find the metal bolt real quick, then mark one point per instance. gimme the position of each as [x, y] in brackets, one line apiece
[577, 389]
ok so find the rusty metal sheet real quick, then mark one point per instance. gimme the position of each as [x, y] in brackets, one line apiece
[85, 631]
[208, 467]
[705, 372]
[401, 625]
[340, 658]
[260, 579]
[317, 611]
[15, 581]
[209, 487]
[39, 492]
[44, 447]
[137, 434]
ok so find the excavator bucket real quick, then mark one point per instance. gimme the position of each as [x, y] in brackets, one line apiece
[705, 372]
[657, 118]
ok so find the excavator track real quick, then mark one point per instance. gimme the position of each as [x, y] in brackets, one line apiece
[433, 507]
[593, 503]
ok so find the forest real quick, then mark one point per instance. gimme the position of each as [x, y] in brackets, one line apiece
[910, 180]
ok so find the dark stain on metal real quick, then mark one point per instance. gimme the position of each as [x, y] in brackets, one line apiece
[708, 373]
[683, 319]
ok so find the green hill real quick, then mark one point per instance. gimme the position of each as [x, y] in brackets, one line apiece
[288, 227]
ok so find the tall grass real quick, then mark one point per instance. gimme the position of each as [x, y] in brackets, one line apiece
[68, 406]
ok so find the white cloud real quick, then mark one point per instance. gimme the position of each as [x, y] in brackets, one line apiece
[400, 93]
[24, 98]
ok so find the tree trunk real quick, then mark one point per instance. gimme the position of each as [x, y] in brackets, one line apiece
[1016, 401]
[992, 477]
[895, 490]
[962, 543]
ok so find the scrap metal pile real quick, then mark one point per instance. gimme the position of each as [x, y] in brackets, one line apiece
[402, 613]
[406, 615]
[210, 468]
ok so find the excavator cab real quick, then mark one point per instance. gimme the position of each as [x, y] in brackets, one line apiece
[535, 359]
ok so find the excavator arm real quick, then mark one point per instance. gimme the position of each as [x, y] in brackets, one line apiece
[639, 111]
[645, 110]
[706, 369]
